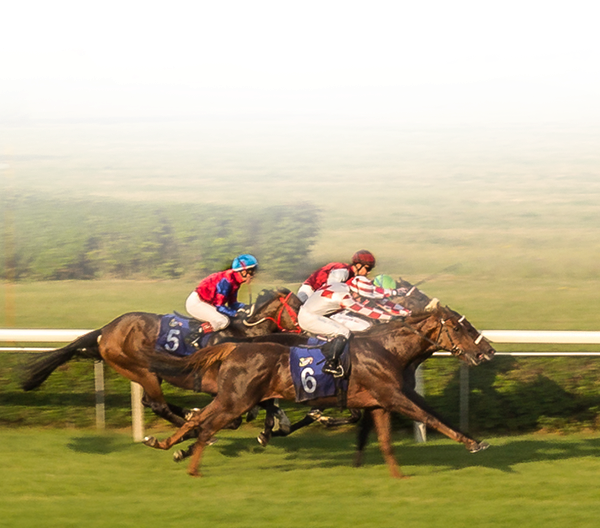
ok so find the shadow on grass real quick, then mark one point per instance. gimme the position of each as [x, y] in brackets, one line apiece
[324, 449]
[100, 444]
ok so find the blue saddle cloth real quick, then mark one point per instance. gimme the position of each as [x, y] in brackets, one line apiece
[306, 363]
[174, 330]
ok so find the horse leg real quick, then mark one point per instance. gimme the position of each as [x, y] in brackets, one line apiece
[212, 421]
[182, 433]
[402, 404]
[354, 417]
[382, 421]
[197, 451]
[273, 411]
[265, 435]
[363, 435]
[150, 382]
[162, 408]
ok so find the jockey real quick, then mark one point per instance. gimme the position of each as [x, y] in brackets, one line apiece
[214, 300]
[363, 261]
[333, 310]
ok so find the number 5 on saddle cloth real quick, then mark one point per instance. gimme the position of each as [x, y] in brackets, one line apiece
[174, 330]
[310, 382]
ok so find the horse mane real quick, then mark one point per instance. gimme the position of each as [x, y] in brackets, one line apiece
[414, 318]
[266, 296]
[209, 356]
[168, 365]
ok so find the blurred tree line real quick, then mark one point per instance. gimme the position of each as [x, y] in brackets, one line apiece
[73, 239]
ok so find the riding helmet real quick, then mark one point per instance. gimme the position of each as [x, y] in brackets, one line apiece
[364, 257]
[244, 262]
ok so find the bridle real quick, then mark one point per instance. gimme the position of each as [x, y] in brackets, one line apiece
[455, 350]
[285, 306]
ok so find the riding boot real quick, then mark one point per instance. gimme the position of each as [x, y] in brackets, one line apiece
[332, 366]
[195, 338]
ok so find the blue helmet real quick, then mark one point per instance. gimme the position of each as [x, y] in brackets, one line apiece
[244, 262]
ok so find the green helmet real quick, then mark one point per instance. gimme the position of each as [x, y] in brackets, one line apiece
[384, 281]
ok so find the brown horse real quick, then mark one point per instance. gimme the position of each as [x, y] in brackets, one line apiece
[410, 297]
[126, 343]
[252, 372]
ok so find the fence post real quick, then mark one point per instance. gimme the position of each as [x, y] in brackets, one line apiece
[137, 412]
[419, 427]
[99, 385]
[464, 397]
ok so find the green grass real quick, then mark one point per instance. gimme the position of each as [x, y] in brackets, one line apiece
[491, 302]
[67, 478]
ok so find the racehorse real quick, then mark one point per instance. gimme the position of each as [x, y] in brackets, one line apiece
[126, 342]
[248, 373]
[410, 297]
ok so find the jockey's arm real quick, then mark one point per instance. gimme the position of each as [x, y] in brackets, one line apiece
[337, 275]
[362, 309]
[222, 298]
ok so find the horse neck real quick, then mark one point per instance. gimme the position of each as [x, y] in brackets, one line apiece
[406, 340]
[239, 329]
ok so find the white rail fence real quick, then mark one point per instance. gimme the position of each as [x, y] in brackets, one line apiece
[17, 337]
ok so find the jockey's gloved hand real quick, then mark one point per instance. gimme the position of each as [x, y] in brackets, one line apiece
[244, 310]
[399, 291]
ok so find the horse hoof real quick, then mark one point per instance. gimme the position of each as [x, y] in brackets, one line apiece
[179, 456]
[212, 440]
[190, 414]
[150, 441]
[481, 446]
[262, 439]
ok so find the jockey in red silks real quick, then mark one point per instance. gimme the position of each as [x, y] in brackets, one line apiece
[331, 312]
[363, 261]
[214, 301]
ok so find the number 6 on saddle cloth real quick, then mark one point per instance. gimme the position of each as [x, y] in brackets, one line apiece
[310, 382]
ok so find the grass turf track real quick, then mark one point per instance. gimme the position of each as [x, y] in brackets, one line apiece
[73, 478]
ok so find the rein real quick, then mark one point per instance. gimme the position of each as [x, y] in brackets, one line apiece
[455, 350]
[279, 314]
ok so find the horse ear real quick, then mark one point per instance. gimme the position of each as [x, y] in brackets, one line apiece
[432, 305]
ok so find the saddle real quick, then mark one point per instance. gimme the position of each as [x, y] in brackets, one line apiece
[177, 334]
[310, 382]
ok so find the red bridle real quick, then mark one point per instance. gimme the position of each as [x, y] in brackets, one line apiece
[293, 316]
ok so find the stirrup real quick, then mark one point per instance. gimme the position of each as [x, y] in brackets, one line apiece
[336, 372]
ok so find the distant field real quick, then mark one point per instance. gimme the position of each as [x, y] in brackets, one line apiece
[502, 203]
[69, 478]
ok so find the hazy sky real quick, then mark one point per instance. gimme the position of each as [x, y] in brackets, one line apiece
[413, 62]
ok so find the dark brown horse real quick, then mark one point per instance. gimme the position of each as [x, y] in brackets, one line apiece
[410, 297]
[126, 343]
[249, 373]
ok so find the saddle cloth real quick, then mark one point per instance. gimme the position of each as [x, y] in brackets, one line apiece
[174, 329]
[306, 363]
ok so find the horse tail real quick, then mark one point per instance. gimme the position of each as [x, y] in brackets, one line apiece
[37, 370]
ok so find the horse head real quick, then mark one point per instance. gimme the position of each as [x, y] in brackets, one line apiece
[413, 298]
[279, 306]
[459, 337]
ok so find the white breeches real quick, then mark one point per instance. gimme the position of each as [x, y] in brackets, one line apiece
[304, 292]
[205, 312]
[341, 323]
